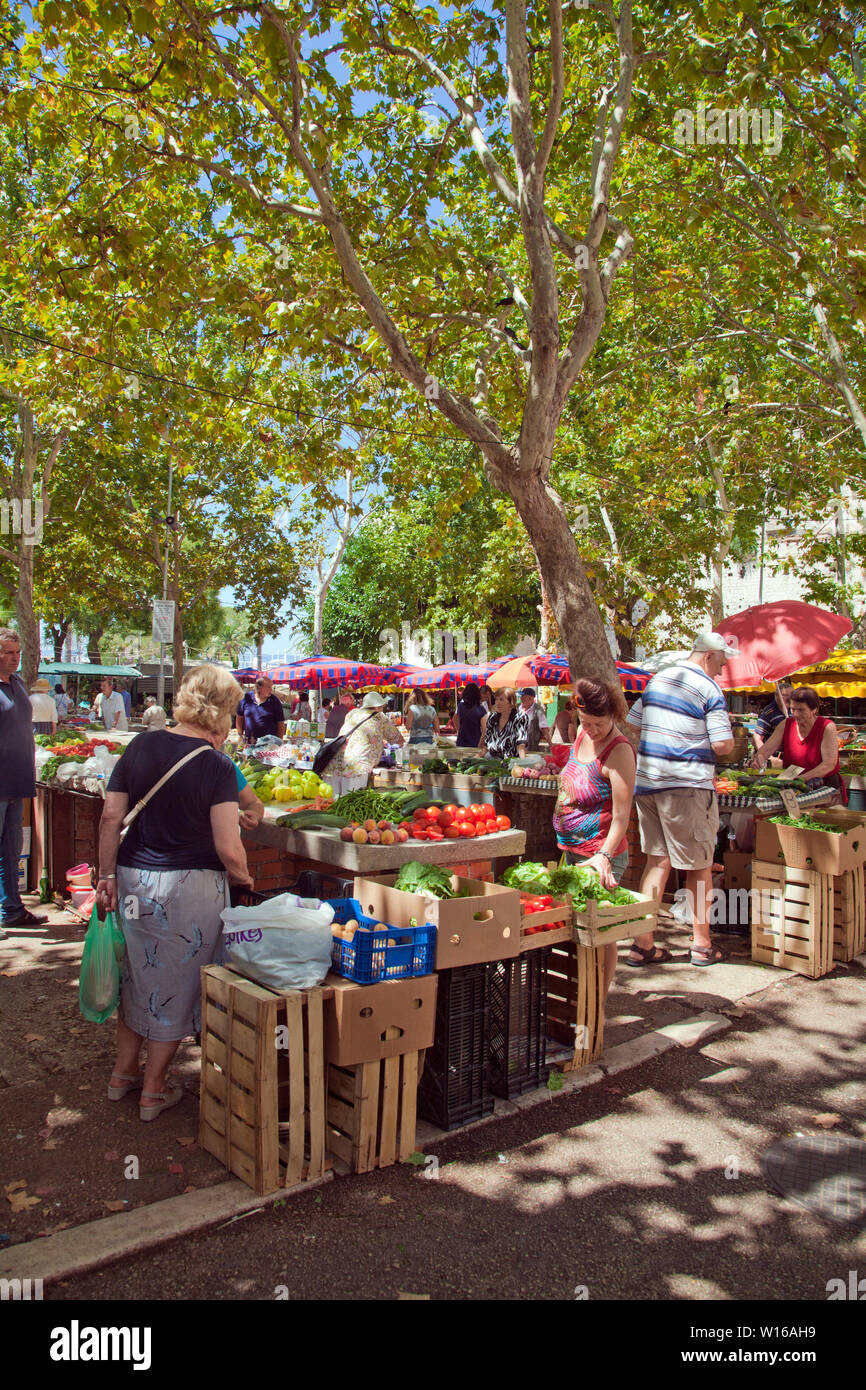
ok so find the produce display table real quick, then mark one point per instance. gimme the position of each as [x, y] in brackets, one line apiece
[325, 849]
[442, 786]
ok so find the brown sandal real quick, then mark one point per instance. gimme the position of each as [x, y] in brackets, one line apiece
[656, 955]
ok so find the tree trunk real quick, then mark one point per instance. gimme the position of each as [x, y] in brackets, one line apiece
[260, 639]
[28, 624]
[626, 647]
[543, 514]
[58, 632]
[93, 640]
[177, 639]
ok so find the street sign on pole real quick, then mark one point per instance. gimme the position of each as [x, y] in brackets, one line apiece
[163, 620]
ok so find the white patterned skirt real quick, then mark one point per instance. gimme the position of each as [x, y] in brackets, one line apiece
[170, 919]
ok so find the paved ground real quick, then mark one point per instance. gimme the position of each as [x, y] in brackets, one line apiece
[626, 1189]
[644, 1184]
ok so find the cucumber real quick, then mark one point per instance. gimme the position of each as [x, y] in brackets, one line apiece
[309, 820]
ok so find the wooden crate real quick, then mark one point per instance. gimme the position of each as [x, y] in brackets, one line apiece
[245, 1079]
[371, 1111]
[792, 918]
[604, 923]
[575, 1001]
[560, 912]
[849, 914]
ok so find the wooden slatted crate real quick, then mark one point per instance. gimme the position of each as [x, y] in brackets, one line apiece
[849, 914]
[575, 1001]
[371, 1111]
[247, 1078]
[792, 918]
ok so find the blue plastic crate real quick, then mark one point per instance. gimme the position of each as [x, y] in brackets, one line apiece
[368, 958]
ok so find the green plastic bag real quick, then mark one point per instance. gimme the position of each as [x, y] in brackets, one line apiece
[99, 983]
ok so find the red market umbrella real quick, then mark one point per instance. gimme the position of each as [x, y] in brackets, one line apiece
[247, 674]
[330, 671]
[776, 639]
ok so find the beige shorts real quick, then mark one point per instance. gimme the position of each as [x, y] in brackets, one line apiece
[680, 825]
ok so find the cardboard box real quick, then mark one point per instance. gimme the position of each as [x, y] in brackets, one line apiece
[825, 852]
[484, 926]
[738, 870]
[365, 1023]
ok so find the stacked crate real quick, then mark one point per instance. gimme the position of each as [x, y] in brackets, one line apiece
[262, 1055]
[808, 903]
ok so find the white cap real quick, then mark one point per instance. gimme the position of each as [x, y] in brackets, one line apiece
[715, 642]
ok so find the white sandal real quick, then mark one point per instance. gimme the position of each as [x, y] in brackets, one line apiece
[133, 1083]
[165, 1100]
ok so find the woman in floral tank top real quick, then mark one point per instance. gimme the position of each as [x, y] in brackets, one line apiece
[596, 792]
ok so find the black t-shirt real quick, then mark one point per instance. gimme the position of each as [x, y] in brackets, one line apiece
[173, 831]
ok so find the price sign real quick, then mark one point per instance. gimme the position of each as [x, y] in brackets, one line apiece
[163, 620]
[789, 801]
[790, 773]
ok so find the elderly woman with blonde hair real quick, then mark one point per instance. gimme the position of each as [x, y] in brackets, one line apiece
[168, 878]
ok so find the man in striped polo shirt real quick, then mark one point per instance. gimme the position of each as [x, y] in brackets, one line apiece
[684, 725]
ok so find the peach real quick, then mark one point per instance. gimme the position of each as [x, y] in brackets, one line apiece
[359, 836]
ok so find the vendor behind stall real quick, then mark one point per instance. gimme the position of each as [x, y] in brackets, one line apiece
[260, 714]
[773, 714]
[806, 740]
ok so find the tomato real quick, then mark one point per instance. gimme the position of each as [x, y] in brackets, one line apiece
[405, 825]
[452, 832]
[475, 811]
[445, 818]
[481, 827]
[461, 813]
[503, 823]
[489, 811]
[419, 813]
[434, 834]
[452, 808]
[432, 814]
[420, 834]
[467, 829]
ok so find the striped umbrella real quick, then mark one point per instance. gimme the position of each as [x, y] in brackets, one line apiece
[323, 671]
[247, 674]
[554, 670]
[447, 677]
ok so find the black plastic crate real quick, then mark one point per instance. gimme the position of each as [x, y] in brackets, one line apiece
[309, 884]
[454, 1085]
[518, 1023]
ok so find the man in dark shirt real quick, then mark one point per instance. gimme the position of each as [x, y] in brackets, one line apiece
[260, 714]
[17, 778]
[773, 713]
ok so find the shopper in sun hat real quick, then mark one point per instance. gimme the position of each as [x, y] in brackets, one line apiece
[44, 708]
[684, 726]
[369, 729]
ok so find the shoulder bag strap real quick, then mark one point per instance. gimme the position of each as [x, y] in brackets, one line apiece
[140, 805]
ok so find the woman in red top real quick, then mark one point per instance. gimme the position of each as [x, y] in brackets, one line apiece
[596, 792]
[806, 740]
